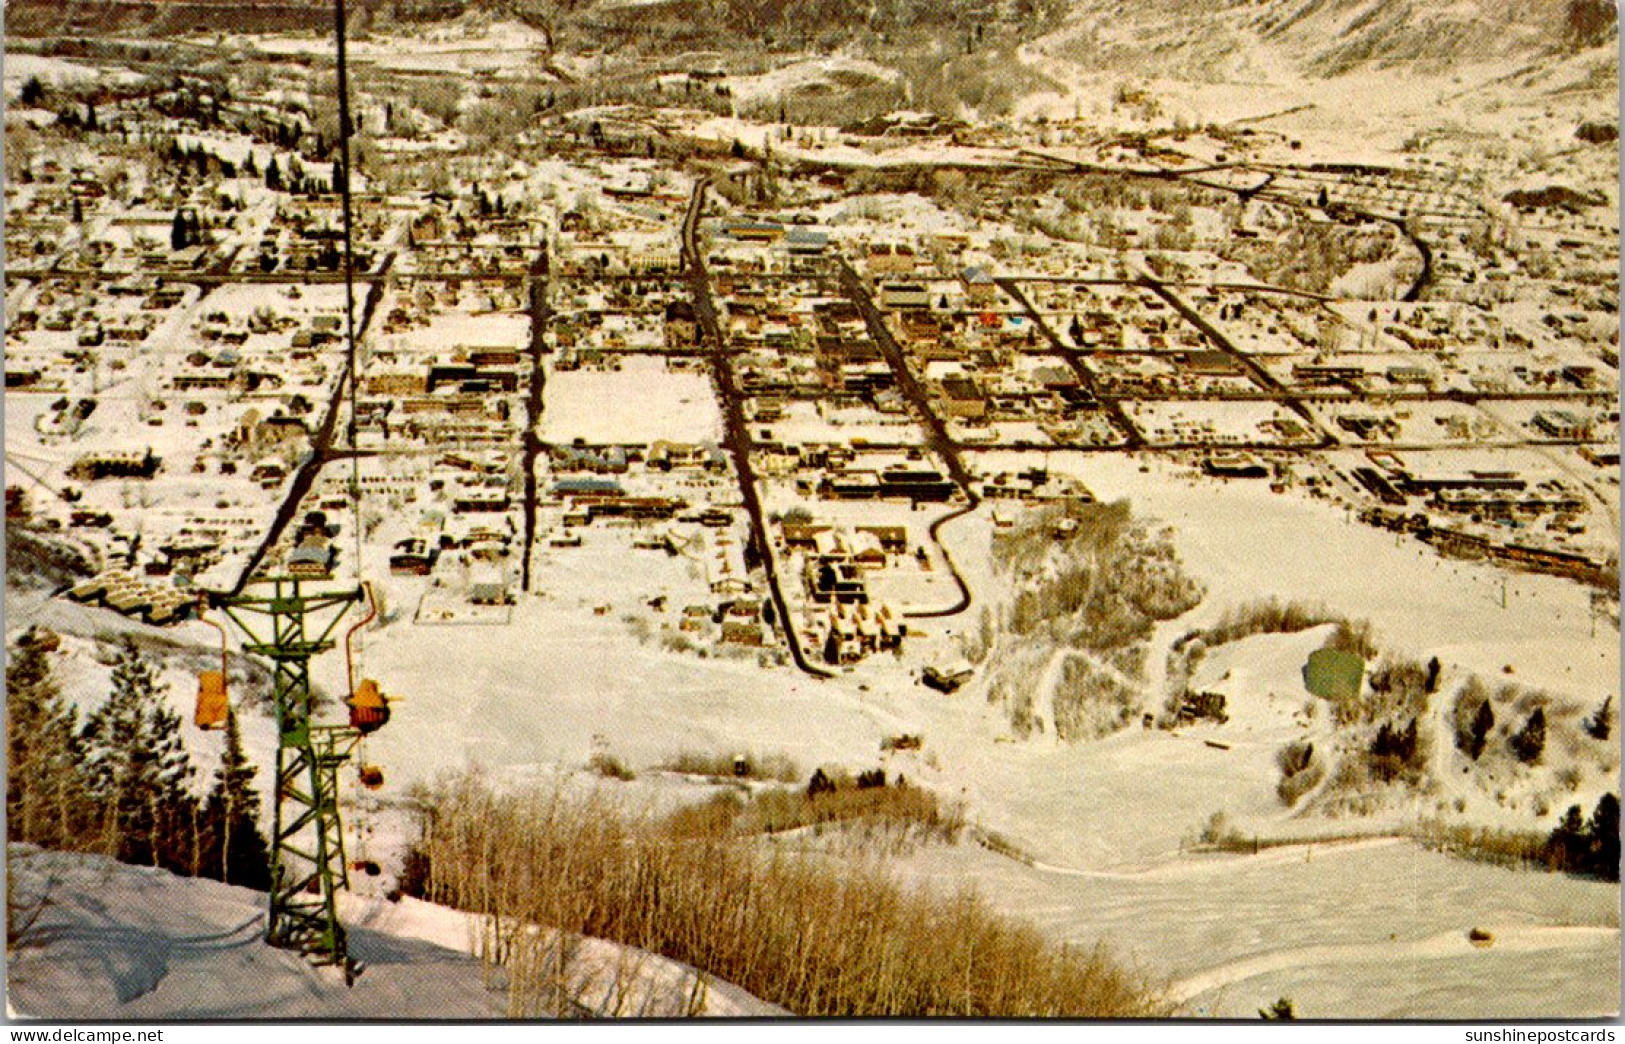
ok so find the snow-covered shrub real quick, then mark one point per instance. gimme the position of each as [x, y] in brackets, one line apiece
[1090, 702]
[610, 767]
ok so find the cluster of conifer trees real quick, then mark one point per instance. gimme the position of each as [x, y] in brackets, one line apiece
[121, 782]
[1591, 846]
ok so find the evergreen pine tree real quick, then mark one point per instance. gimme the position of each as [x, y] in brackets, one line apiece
[1530, 741]
[1601, 724]
[1483, 722]
[237, 851]
[1603, 858]
[46, 799]
[175, 812]
[273, 176]
[1567, 845]
[177, 231]
[29, 692]
[138, 767]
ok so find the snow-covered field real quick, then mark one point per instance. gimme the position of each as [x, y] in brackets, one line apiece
[1363, 930]
[1246, 543]
[640, 403]
[20, 68]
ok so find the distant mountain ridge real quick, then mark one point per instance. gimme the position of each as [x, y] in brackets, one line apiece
[1189, 39]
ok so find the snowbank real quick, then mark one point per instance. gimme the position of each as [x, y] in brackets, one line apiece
[108, 941]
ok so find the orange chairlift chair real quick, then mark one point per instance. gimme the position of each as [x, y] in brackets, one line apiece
[213, 703]
[369, 706]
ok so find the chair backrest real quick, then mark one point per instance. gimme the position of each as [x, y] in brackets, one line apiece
[212, 701]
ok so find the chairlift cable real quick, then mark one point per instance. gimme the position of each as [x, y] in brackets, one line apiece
[351, 362]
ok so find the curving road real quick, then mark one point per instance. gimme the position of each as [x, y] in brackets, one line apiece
[936, 433]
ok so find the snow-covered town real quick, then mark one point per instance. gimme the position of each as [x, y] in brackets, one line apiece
[1170, 493]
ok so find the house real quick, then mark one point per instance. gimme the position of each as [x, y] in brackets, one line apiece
[396, 382]
[1210, 364]
[637, 508]
[487, 586]
[917, 484]
[682, 325]
[742, 632]
[919, 328]
[905, 295]
[801, 536]
[664, 455]
[979, 285]
[1055, 378]
[201, 380]
[753, 231]
[890, 259]
[962, 398]
[653, 262]
[587, 487]
[1234, 465]
[833, 578]
[1562, 424]
[313, 557]
[1320, 375]
[479, 501]
[413, 557]
[115, 464]
[599, 460]
[948, 677]
[806, 242]
[276, 430]
[1409, 375]
[866, 550]
[893, 539]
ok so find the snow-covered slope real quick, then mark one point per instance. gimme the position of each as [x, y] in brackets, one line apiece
[1206, 39]
[104, 940]
[1374, 929]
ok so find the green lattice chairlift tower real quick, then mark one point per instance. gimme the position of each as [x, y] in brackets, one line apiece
[287, 625]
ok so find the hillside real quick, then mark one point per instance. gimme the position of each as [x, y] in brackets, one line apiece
[1148, 37]
[103, 940]
[1241, 40]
